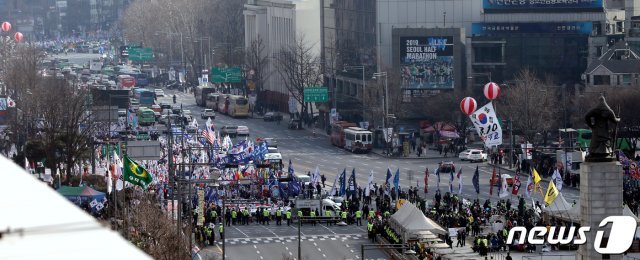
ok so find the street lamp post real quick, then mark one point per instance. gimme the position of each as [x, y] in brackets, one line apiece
[359, 67]
[384, 100]
[181, 45]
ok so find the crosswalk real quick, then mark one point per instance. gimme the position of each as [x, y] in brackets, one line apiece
[289, 239]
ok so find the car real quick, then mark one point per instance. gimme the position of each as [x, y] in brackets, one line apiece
[271, 142]
[231, 131]
[159, 92]
[165, 106]
[164, 119]
[446, 167]
[477, 156]
[497, 180]
[156, 108]
[272, 116]
[122, 113]
[208, 113]
[242, 130]
[135, 105]
[272, 149]
[464, 154]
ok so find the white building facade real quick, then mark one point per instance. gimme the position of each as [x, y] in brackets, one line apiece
[274, 22]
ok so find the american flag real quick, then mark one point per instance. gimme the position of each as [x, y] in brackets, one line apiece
[206, 135]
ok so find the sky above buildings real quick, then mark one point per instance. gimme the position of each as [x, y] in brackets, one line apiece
[308, 21]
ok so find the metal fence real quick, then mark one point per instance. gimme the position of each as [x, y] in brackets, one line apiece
[550, 257]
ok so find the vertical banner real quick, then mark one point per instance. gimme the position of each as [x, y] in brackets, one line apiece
[486, 123]
[200, 207]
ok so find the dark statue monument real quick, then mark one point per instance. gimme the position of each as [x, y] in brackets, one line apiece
[598, 119]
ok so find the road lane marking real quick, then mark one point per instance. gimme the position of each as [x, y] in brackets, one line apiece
[254, 246]
[328, 229]
[240, 231]
[270, 231]
[258, 251]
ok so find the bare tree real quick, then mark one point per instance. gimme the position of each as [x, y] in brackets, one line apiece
[185, 34]
[530, 103]
[154, 231]
[257, 59]
[299, 68]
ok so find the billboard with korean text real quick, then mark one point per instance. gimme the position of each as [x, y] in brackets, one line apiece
[540, 5]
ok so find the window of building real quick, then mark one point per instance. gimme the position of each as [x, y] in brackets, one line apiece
[619, 27]
[487, 53]
[626, 79]
[601, 79]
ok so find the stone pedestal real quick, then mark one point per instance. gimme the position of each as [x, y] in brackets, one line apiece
[600, 197]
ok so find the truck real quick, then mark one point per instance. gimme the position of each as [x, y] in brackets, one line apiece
[337, 132]
[322, 205]
[201, 93]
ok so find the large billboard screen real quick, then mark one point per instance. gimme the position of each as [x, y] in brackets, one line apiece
[427, 62]
[539, 5]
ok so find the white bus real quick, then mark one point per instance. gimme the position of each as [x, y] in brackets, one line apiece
[358, 139]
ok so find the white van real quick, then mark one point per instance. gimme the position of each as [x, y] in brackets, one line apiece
[303, 179]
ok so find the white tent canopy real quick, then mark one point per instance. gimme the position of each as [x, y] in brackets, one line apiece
[560, 208]
[626, 211]
[38, 223]
[409, 221]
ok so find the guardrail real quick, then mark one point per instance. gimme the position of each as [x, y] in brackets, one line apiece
[550, 257]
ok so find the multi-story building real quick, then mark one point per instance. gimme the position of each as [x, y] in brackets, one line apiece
[348, 44]
[274, 23]
[439, 46]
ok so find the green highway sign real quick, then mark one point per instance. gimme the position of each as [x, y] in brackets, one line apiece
[316, 94]
[225, 75]
[140, 54]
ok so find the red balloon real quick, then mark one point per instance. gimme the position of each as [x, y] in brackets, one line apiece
[468, 105]
[6, 26]
[18, 36]
[491, 90]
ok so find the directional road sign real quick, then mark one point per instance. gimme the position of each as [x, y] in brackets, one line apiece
[225, 75]
[140, 54]
[316, 94]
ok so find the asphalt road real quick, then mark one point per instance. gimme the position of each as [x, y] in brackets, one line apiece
[307, 151]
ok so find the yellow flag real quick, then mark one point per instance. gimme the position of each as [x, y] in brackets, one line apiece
[552, 193]
[536, 176]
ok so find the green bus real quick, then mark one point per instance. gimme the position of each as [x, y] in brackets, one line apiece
[583, 140]
[146, 116]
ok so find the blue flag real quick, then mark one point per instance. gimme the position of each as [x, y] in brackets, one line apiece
[294, 186]
[396, 181]
[343, 182]
[290, 170]
[283, 193]
[272, 179]
[476, 181]
[352, 182]
[387, 184]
